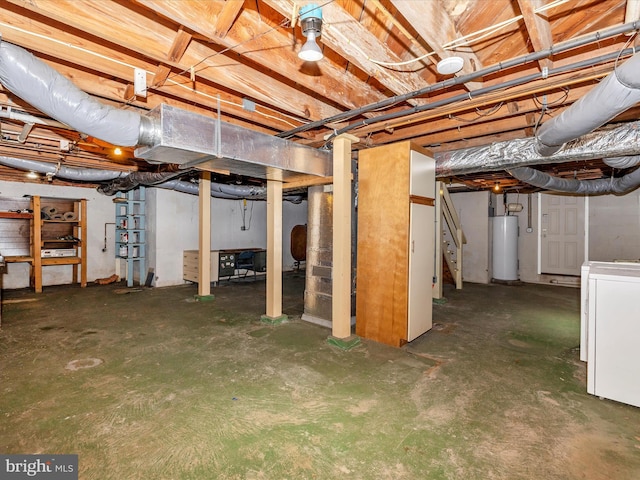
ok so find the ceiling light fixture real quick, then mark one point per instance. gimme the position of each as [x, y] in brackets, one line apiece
[450, 65]
[33, 175]
[311, 24]
[117, 151]
[496, 187]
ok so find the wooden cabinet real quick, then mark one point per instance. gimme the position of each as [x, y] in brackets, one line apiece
[58, 236]
[191, 265]
[396, 215]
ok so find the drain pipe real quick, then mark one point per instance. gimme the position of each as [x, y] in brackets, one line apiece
[53, 94]
[619, 91]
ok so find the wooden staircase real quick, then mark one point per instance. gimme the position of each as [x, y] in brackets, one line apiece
[449, 247]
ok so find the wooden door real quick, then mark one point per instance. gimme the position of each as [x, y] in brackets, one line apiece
[562, 234]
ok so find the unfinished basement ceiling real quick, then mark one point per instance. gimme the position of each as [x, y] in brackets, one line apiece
[240, 57]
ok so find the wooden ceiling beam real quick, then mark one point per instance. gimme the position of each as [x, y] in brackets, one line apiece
[538, 28]
[325, 79]
[93, 57]
[179, 46]
[435, 27]
[514, 108]
[225, 19]
[148, 36]
[343, 34]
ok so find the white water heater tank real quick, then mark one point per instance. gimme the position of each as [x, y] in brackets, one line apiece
[505, 248]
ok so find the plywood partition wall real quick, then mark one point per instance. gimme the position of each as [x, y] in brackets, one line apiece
[395, 243]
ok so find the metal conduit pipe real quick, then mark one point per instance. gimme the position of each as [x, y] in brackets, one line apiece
[531, 57]
[598, 186]
[27, 118]
[483, 91]
[617, 92]
[50, 92]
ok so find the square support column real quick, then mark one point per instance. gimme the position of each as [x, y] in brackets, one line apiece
[274, 253]
[204, 237]
[341, 268]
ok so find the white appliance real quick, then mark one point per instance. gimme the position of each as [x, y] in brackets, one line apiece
[505, 248]
[610, 325]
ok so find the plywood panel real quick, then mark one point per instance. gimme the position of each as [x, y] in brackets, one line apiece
[383, 229]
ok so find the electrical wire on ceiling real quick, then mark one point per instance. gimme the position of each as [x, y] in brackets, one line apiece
[479, 114]
[147, 72]
[479, 92]
[530, 57]
[465, 40]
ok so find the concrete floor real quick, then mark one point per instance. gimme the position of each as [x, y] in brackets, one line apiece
[153, 385]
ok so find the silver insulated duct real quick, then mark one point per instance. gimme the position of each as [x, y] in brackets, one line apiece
[164, 135]
[619, 91]
[44, 88]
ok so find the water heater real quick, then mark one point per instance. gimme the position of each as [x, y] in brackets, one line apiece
[505, 248]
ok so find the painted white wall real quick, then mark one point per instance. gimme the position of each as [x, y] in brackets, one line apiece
[173, 227]
[614, 227]
[614, 233]
[473, 210]
[100, 211]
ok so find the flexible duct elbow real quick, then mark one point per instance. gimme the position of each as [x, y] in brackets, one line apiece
[598, 186]
[619, 91]
[53, 94]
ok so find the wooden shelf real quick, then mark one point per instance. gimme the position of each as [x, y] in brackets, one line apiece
[61, 261]
[26, 216]
[18, 259]
[51, 230]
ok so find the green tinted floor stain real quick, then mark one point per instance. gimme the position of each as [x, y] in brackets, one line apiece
[163, 387]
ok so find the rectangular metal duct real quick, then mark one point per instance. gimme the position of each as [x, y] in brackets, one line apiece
[193, 140]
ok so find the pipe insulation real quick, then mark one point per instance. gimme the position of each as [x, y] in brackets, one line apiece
[610, 142]
[160, 180]
[623, 162]
[617, 92]
[68, 173]
[598, 186]
[53, 94]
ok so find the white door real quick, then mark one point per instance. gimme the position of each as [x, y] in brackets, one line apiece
[420, 270]
[562, 236]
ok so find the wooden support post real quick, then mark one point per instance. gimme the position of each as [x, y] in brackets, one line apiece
[36, 235]
[84, 242]
[341, 268]
[274, 253]
[204, 235]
